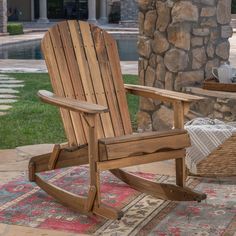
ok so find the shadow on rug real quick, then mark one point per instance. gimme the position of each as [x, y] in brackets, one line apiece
[23, 203]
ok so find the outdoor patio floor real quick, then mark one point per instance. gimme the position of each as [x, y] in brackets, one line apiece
[14, 162]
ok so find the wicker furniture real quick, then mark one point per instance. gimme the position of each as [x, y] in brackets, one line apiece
[221, 162]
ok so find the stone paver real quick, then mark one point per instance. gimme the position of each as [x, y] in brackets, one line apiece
[5, 107]
[3, 113]
[11, 85]
[12, 81]
[7, 96]
[4, 77]
[6, 101]
[8, 90]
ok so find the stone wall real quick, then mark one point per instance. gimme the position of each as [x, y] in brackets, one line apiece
[218, 104]
[129, 12]
[179, 43]
[3, 16]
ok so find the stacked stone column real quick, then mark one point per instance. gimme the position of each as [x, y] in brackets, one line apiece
[179, 43]
[3, 16]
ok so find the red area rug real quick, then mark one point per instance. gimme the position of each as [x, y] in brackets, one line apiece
[23, 203]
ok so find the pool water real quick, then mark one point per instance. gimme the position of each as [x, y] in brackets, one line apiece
[31, 50]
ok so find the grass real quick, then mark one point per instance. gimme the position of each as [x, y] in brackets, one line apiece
[32, 122]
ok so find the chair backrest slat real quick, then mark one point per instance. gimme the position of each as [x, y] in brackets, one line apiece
[106, 74]
[84, 69]
[95, 73]
[83, 63]
[74, 76]
[53, 70]
[113, 58]
[65, 77]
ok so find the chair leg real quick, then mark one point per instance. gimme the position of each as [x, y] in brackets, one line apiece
[101, 209]
[107, 212]
[98, 207]
[180, 172]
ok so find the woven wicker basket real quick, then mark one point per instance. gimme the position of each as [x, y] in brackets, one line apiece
[221, 162]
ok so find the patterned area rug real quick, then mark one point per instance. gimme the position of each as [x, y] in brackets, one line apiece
[23, 203]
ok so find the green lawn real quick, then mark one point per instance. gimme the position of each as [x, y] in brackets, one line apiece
[32, 122]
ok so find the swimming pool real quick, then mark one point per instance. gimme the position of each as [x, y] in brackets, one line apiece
[31, 50]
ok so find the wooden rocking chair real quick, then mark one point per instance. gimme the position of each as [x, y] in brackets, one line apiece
[84, 69]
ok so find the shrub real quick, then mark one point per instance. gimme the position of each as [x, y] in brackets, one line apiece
[233, 6]
[15, 28]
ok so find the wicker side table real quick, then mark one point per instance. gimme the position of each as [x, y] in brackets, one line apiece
[219, 105]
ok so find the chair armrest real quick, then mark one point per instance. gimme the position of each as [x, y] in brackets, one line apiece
[70, 103]
[161, 94]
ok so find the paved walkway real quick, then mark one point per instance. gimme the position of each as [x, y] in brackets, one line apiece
[38, 66]
[8, 92]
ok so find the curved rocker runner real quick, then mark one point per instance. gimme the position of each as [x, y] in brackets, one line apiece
[84, 69]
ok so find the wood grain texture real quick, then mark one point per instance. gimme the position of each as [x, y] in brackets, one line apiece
[75, 78]
[161, 94]
[95, 73]
[66, 158]
[180, 162]
[140, 159]
[213, 84]
[54, 156]
[84, 68]
[147, 145]
[107, 79]
[68, 199]
[57, 85]
[113, 57]
[159, 190]
[66, 80]
[70, 103]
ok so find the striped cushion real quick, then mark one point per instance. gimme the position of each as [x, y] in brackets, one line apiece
[206, 135]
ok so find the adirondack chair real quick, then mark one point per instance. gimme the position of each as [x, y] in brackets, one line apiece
[84, 69]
